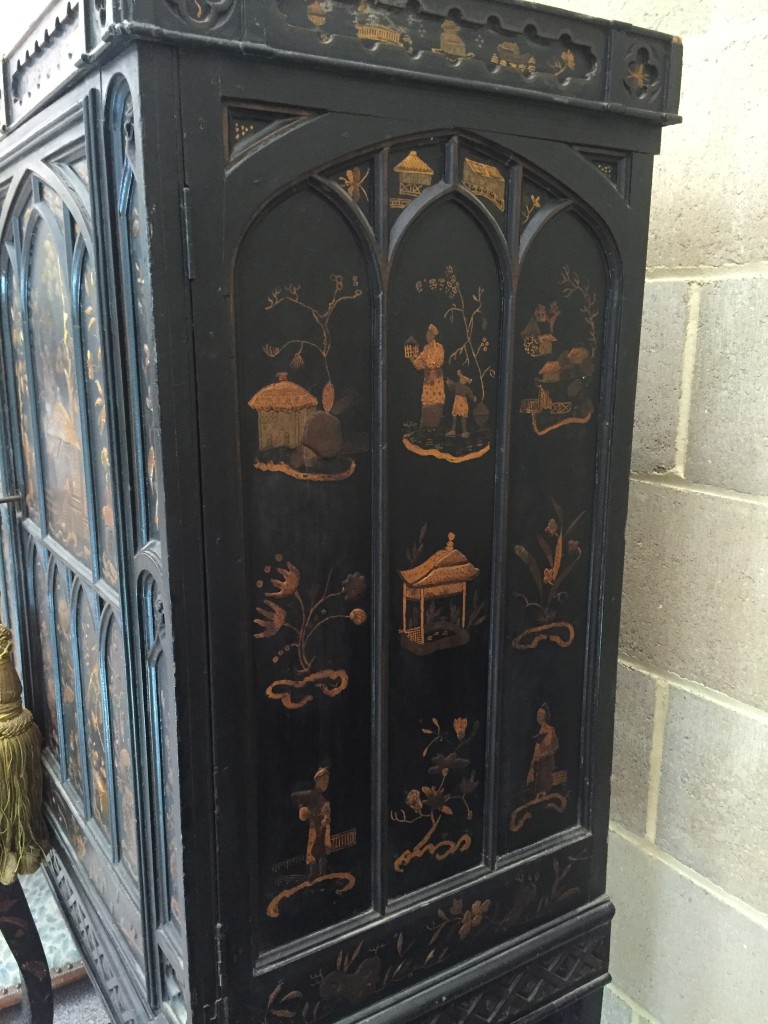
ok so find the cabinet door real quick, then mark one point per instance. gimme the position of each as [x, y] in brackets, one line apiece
[66, 593]
[405, 337]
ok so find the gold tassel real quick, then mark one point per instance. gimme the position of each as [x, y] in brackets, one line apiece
[23, 837]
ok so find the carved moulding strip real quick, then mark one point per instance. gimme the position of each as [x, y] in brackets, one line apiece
[542, 53]
[566, 56]
[98, 956]
[565, 971]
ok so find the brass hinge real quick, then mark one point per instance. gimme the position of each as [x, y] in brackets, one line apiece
[186, 223]
[221, 979]
[219, 1012]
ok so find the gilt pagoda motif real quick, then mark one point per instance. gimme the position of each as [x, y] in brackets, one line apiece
[439, 588]
[451, 43]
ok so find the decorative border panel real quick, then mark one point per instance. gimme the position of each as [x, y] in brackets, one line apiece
[91, 940]
[554, 975]
[519, 49]
[43, 58]
[445, 933]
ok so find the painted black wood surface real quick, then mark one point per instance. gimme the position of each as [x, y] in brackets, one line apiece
[320, 328]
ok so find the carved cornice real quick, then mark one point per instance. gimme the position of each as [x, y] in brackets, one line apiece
[43, 58]
[509, 47]
[521, 48]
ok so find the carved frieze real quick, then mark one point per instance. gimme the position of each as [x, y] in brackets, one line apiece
[327, 986]
[550, 976]
[520, 49]
[44, 57]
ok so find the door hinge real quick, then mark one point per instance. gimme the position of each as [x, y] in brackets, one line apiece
[221, 979]
[186, 221]
[219, 1012]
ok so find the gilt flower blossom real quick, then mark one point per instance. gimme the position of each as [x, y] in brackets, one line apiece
[473, 917]
[460, 727]
[414, 801]
[270, 619]
[286, 582]
[435, 800]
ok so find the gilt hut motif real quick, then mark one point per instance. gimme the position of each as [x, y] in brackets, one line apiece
[484, 180]
[415, 175]
[284, 408]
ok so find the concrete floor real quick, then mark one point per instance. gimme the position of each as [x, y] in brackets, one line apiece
[75, 1004]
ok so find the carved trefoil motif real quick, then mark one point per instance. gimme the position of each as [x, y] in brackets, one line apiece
[203, 13]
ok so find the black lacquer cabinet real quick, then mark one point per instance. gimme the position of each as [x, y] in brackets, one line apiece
[319, 326]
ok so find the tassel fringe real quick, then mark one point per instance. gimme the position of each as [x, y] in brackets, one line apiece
[23, 836]
[23, 842]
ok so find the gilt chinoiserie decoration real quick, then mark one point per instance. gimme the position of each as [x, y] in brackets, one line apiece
[316, 418]
[444, 575]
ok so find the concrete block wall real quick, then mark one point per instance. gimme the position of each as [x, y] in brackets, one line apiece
[688, 865]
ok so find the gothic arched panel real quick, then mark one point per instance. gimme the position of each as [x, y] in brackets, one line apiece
[97, 395]
[26, 410]
[43, 640]
[66, 673]
[559, 345]
[122, 750]
[93, 713]
[305, 299]
[49, 313]
[445, 337]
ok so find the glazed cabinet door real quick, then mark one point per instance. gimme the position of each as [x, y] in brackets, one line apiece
[61, 545]
[83, 547]
[406, 338]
